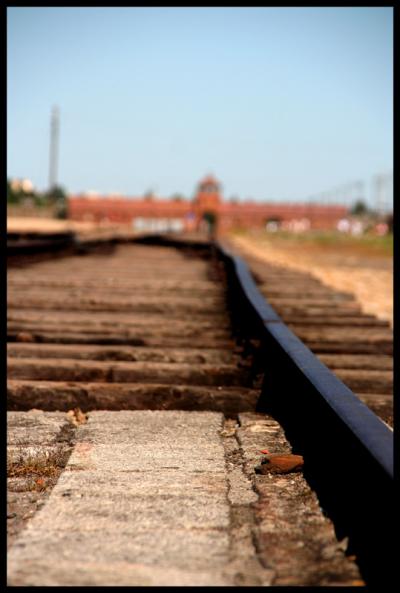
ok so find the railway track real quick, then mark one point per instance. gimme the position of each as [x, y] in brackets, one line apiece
[175, 374]
[356, 346]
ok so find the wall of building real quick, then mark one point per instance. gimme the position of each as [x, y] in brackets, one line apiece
[136, 211]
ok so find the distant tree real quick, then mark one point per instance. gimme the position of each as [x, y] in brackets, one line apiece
[41, 200]
[62, 210]
[359, 208]
[14, 196]
[389, 222]
[56, 195]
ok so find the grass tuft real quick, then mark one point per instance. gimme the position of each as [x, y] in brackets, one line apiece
[40, 468]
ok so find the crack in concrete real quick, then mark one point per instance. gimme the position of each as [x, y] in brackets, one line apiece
[28, 497]
[245, 567]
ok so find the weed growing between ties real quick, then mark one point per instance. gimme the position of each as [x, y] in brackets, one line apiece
[31, 476]
[36, 471]
[32, 473]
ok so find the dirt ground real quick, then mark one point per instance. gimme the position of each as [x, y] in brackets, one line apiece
[45, 225]
[52, 225]
[83, 230]
[366, 274]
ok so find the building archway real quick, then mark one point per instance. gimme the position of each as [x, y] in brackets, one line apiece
[211, 219]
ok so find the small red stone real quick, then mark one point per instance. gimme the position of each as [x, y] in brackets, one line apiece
[281, 464]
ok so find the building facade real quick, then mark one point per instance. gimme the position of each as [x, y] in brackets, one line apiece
[206, 210]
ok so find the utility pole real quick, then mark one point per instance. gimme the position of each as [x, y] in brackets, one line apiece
[377, 193]
[389, 191]
[348, 194]
[54, 137]
[383, 185]
[352, 194]
[359, 190]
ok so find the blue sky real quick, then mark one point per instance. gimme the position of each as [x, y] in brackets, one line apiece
[278, 103]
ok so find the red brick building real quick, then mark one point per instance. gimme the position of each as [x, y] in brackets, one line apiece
[155, 214]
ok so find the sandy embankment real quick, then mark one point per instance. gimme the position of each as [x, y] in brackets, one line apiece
[52, 225]
[372, 286]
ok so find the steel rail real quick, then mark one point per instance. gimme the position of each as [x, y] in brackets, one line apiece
[347, 449]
